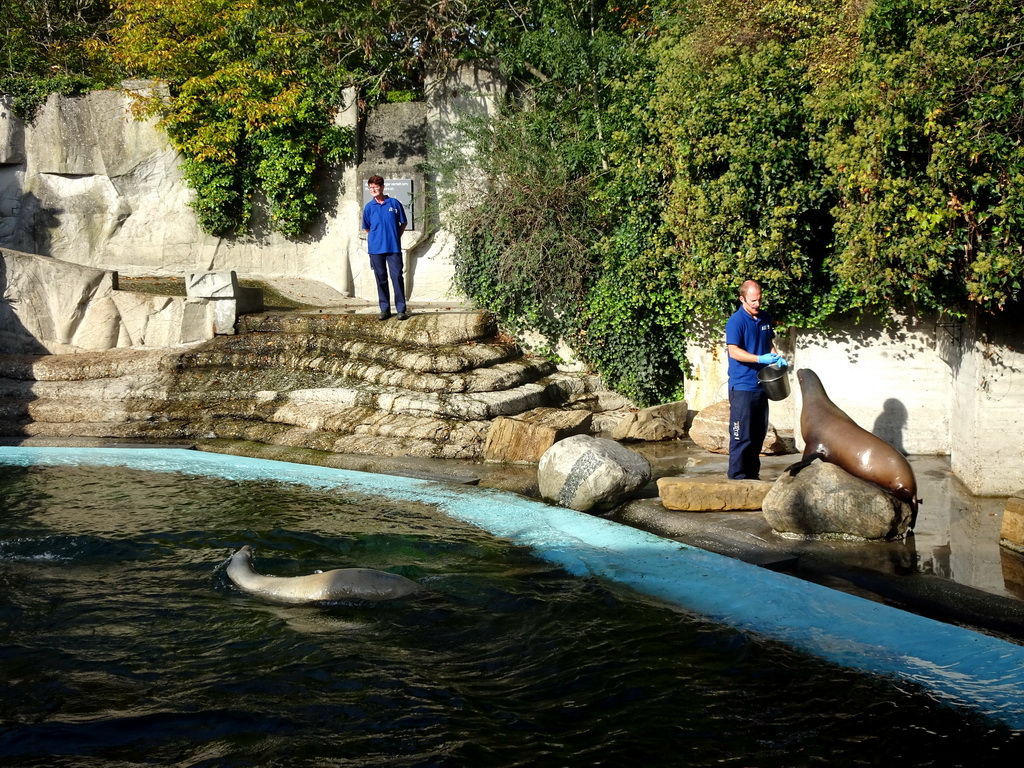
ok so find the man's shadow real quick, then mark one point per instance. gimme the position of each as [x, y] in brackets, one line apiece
[890, 424]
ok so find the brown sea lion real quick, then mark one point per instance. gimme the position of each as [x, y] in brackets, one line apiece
[832, 436]
[322, 587]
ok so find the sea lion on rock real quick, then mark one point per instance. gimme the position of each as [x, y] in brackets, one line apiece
[832, 436]
[321, 587]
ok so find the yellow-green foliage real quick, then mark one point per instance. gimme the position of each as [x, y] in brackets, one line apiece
[924, 149]
[244, 109]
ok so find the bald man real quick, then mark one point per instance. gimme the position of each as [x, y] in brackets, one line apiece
[749, 337]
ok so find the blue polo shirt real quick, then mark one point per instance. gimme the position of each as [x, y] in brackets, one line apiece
[751, 334]
[383, 220]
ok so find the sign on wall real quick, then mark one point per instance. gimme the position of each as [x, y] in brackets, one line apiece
[401, 190]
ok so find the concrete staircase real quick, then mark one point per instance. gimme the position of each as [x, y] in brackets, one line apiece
[429, 386]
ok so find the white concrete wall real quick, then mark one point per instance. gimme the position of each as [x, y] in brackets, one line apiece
[890, 381]
[987, 407]
[925, 386]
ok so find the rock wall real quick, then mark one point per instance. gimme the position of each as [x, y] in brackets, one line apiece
[986, 412]
[51, 306]
[88, 184]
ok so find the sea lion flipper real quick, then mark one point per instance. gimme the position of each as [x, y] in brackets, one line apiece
[794, 469]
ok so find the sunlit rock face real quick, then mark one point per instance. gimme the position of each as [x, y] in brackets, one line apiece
[584, 472]
[87, 183]
[57, 307]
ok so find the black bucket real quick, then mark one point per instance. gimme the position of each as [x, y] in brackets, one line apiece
[775, 381]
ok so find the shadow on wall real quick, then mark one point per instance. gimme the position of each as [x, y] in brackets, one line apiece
[15, 338]
[890, 424]
[28, 225]
[405, 147]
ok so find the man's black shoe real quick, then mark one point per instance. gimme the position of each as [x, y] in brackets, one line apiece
[403, 316]
[384, 316]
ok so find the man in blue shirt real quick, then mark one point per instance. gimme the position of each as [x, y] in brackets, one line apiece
[749, 335]
[384, 222]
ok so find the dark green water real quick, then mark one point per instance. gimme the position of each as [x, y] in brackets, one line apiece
[122, 643]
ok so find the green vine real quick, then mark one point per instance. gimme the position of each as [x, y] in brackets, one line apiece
[29, 93]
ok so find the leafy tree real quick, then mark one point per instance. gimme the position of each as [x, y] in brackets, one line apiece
[45, 47]
[248, 105]
[748, 197]
[924, 147]
[537, 247]
[253, 85]
[651, 155]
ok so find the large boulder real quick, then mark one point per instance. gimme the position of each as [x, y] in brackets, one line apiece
[823, 500]
[710, 430]
[584, 472]
[654, 424]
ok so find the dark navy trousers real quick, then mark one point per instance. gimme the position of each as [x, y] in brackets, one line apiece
[382, 264]
[748, 424]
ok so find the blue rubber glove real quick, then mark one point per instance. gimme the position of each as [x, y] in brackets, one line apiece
[768, 358]
[782, 362]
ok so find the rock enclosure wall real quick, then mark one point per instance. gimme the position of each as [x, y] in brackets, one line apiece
[51, 306]
[88, 184]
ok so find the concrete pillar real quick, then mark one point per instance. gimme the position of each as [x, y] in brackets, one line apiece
[987, 408]
[228, 298]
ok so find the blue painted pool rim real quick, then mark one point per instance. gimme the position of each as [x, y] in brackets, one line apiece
[957, 666]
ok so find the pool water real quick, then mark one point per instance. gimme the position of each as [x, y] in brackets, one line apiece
[123, 643]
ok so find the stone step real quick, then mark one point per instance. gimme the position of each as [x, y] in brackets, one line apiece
[270, 434]
[426, 330]
[244, 381]
[455, 447]
[228, 394]
[224, 350]
[506, 375]
[146, 387]
[105, 364]
[429, 386]
[367, 422]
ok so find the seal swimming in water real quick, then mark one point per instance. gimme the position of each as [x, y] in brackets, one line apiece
[832, 436]
[326, 586]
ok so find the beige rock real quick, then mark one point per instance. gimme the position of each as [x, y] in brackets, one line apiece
[1012, 565]
[711, 494]
[1011, 532]
[710, 430]
[660, 422]
[12, 134]
[525, 438]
